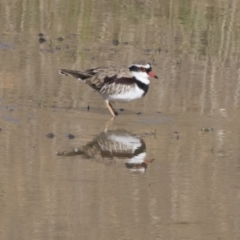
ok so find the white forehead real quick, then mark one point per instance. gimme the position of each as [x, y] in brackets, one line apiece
[140, 65]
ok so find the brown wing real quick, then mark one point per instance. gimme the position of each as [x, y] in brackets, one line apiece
[111, 80]
[114, 85]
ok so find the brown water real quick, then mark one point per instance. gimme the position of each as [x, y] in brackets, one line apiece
[188, 132]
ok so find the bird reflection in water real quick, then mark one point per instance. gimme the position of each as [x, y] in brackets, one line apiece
[112, 145]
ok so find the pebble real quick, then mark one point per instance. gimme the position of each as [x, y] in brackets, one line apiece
[41, 40]
[60, 39]
[50, 135]
[70, 136]
[115, 42]
[207, 129]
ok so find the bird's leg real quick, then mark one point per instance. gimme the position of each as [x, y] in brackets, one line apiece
[115, 112]
[110, 108]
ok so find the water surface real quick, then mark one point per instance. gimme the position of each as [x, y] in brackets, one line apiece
[186, 139]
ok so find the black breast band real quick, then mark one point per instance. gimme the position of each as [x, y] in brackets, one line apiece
[142, 86]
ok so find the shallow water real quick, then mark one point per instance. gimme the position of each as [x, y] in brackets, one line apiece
[184, 133]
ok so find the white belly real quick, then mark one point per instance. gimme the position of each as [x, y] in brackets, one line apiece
[127, 96]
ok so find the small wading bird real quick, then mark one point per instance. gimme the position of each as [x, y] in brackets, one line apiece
[116, 84]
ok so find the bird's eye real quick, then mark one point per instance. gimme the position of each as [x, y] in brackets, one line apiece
[143, 69]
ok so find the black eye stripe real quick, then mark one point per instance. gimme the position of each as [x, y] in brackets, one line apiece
[134, 68]
[138, 69]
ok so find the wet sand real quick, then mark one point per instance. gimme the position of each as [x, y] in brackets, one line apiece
[63, 175]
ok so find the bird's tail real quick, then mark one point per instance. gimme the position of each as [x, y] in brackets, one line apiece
[76, 74]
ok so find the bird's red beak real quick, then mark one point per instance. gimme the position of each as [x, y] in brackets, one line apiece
[152, 74]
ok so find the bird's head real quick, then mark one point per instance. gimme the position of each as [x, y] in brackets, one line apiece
[142, 70]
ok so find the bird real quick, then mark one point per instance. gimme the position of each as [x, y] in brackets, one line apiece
[116, 83]
[114, 145]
